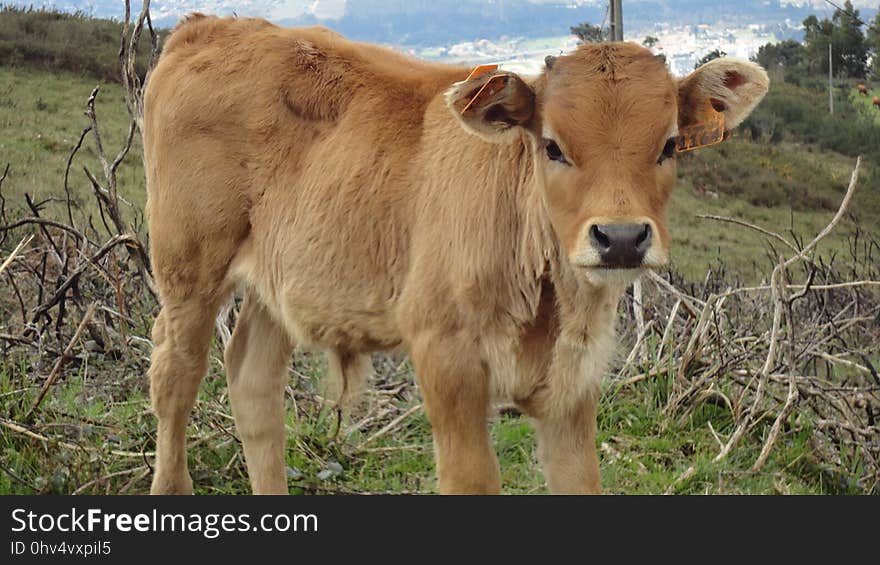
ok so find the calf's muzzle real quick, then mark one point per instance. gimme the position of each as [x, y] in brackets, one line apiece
[621, 245]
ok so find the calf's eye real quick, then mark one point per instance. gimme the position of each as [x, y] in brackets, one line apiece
[668, 150]
[554, 153]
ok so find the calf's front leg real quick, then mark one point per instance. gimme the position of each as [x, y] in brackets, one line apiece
[567, 447]
[455, 388]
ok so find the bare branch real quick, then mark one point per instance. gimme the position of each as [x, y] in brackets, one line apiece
[21, 245]
[62, 360]
[752, 226]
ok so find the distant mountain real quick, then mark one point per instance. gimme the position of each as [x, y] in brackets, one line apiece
[436, 22]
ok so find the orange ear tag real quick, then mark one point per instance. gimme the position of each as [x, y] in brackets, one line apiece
[481, 70]
[490, 88]
[705, 134]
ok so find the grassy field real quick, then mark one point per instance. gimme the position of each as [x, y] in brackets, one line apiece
[787, 187]
[94, 432]
[41, 118]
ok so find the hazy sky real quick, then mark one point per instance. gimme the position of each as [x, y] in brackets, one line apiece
[322, 9]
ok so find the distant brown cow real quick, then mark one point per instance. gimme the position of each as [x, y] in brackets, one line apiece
[877, 101]
[365, 201]
[863, 90]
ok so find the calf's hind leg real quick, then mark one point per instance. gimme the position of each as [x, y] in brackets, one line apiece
[256, 362]
[181, 338]
[198, 219]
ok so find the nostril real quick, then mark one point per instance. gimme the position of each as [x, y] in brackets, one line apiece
[644, 238]
[600, 237]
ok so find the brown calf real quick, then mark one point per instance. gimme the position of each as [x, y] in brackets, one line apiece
[863, 90]
[365, 201]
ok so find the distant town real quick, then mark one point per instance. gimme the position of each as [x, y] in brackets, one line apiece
[683, 45]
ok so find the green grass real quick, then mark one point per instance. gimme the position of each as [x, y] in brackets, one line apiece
[41, 118]
[101, 406]
[786, 187]
[866, 103]
[641, 449]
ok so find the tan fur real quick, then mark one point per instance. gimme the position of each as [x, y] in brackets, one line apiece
[339, 186]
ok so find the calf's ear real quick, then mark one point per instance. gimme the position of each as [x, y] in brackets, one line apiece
[492, 104]
[731, 86]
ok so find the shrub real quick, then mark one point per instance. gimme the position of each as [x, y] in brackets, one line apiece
[798, 112]
[51, 40]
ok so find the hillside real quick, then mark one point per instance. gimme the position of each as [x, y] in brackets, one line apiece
[73, 42]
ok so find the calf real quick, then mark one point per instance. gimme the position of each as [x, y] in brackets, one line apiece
[364, 201]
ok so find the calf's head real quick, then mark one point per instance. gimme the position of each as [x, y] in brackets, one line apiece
[605, 121]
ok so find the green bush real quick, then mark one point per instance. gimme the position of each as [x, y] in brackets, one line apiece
[770, 175]
[50, 40]
[799, 113]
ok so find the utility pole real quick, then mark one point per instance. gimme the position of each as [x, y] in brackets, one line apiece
[830, 82]
[616, 13]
